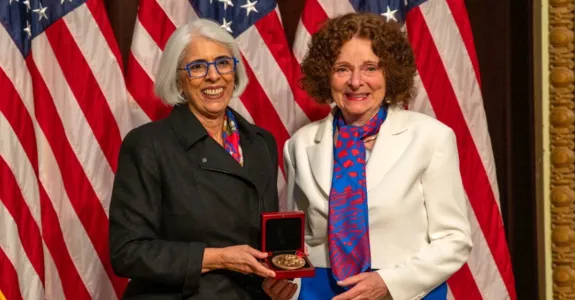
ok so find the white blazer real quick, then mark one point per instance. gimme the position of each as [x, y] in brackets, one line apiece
[418, 226]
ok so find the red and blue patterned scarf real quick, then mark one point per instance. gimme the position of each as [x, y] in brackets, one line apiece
[348, 226]
[231, 137]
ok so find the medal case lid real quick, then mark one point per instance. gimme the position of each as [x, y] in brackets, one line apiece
[282, 232]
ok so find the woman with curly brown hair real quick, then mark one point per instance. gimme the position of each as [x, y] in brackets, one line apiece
[380, 185]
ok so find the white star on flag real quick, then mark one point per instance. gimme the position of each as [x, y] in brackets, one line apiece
[226, 3]
[250, 6]
[389, 14]
[226, 25]
[27, 3]
[41, 12]
[28, 29]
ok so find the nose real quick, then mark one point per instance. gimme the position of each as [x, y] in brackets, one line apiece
[213, 74]
[355, 81]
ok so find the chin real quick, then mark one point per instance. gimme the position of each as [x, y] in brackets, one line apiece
[216, 110]
[215, 106]
[356, 110]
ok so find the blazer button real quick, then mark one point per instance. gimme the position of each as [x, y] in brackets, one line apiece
[204, 160]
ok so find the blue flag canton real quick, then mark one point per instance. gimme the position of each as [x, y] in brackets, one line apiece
[391, 10]
[26, 19]
[236, 16]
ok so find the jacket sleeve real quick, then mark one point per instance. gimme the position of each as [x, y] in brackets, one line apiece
[136, 251]
[290, 178]
[448, 228]
[273, 149]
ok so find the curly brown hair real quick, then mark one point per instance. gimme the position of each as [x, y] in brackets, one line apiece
[389, 43]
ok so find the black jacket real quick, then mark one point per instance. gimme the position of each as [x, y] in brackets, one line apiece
[177, 192]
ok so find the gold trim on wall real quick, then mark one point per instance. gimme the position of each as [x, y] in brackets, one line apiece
[562, 137]
[541, 85]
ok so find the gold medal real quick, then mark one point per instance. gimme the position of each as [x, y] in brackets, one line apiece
[288, 261]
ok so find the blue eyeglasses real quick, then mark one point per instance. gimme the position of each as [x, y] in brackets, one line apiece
[223, 65]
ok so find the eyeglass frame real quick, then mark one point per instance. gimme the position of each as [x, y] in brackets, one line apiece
[209, 63]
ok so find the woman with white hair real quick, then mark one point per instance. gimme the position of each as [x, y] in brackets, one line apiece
[189, 189]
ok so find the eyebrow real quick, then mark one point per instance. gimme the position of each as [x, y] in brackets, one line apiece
[365, 62]
[203, 60]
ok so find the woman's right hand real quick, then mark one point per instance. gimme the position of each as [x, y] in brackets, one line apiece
[244, 259]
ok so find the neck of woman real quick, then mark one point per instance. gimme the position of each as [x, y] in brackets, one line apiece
[214, 126]
[358, 120]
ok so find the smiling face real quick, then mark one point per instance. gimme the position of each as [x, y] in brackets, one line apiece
[210, 95]
[358, 81]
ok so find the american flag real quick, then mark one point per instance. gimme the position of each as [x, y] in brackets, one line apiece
[449, 88]
[63, 114]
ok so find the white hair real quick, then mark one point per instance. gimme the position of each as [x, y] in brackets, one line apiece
[166, 84]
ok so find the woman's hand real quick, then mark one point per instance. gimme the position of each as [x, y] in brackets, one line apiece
[365, 286]
[243, 259]
[279, 289]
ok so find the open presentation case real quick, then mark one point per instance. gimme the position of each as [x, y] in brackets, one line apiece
[283, 233]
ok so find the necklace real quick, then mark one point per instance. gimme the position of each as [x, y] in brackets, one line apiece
[369, 138]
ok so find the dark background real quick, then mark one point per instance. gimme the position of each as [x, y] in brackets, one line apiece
[503, 40]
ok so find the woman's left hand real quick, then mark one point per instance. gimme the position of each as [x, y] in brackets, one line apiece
[366, 286]
[279, 289]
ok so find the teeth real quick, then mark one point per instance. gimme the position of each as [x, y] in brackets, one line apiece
[213, 91]
[357, 95]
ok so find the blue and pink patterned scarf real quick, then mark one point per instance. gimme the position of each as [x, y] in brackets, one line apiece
[231, 137]
[348, 226]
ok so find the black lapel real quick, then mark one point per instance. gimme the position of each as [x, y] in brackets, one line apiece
[186, 126]
[214, 157]
[257, 160]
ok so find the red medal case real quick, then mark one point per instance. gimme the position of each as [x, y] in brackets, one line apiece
[283, 233]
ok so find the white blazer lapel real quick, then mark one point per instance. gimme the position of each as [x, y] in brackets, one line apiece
[389, 145]
[320, 155]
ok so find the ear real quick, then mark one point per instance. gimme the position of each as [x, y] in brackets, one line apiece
[179, 86]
